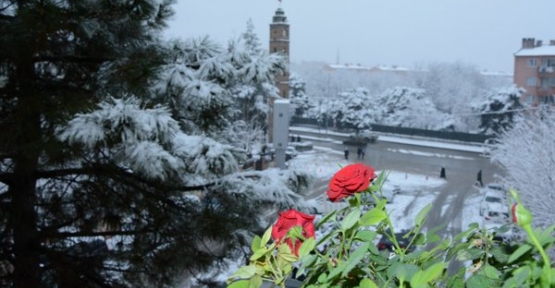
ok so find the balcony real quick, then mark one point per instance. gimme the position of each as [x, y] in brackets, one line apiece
[546, 69]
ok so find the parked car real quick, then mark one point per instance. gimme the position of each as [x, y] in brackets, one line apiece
[364, 136]
[291, 152]
[496, 213]
[494, 205]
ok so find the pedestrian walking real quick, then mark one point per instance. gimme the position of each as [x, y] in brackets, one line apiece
[442, 173]
[362, 153]
[359, 153]
[346, 153]
[479, 178]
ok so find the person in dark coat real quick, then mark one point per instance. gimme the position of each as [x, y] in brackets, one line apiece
[346, 153]
[479, 178]
[359, 153]
[442, 173]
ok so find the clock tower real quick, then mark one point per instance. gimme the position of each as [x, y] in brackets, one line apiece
[279, 43]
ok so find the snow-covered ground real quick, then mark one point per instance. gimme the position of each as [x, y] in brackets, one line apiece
[416, 190]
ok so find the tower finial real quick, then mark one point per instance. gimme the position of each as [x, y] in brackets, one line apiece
[279, 3]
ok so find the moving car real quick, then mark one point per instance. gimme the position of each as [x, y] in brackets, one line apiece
[363, 136]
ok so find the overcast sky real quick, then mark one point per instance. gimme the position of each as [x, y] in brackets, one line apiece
[484, 33]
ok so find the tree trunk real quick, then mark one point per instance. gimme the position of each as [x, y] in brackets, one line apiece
[22, 188]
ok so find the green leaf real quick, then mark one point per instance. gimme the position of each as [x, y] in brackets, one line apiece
[351, 219]
[323, 278]
[406, 271]
[421, 216]
[366, 235]
[519, 252]
[490, 272]
[355, 258]
[337, 270]
[432, 273]
[259, 253]
[239, 284]
[307, 246]
[266, 236]
[372, 217]
[367, 283]
[255, 243]
[289, 257]
[470, 254]
[255, 281]
[457, 280]
[499, 254]
[432, 236]
[478, 280]
[245, 272]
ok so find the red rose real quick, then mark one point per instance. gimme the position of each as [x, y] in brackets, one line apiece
[350, 180]
[289, 219]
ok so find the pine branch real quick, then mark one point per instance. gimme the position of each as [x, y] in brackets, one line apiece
[111, 172]
[75, 59]
[59, 235]
[6, 178]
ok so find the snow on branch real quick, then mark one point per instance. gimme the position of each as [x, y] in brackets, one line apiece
[270, 186]
[206, 156]
[123, 119]
[149, 141]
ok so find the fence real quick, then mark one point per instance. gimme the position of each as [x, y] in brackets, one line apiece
[458, 136]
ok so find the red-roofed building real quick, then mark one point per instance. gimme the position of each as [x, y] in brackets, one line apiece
[535, 71]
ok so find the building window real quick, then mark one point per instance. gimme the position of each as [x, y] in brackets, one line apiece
[549, 62]
[532, 62]
[530, 99]
[547, 99]
[531, 81]
[275, 49]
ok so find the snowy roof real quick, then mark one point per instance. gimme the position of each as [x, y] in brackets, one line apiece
[281, 101]
[495, 73]
[545, 50]
[360, 67]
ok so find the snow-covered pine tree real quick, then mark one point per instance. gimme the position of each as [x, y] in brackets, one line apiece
[499, 109]
[252, 43]
[353, 107]
[410, 107]
[106, 179]
[297, 94]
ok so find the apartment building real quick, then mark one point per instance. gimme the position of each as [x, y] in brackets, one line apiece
[535, 71]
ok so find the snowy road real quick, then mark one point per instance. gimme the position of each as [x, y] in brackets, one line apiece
[448, 200]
